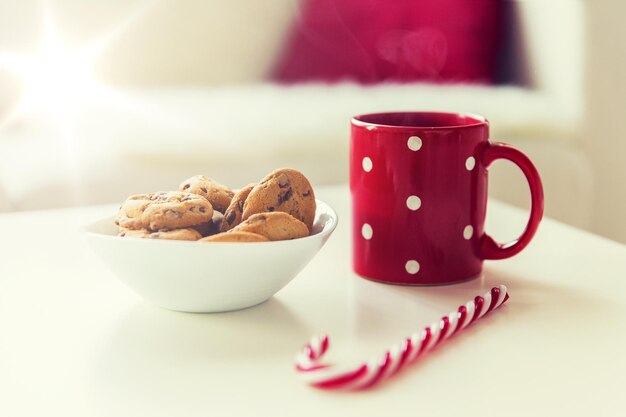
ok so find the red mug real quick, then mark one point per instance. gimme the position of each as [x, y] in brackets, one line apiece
[419, 197]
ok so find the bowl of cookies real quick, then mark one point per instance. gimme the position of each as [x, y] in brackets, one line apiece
[205, 248]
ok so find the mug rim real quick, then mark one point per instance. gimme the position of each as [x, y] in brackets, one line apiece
[478, 120]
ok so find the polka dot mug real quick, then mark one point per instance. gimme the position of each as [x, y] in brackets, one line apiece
[419, 197]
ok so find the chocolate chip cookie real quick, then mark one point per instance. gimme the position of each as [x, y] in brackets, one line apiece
[164, 210]
[174, 234]
[232, 215]
[235, 236]
[277, 225]
[284, 190]
[218, 195]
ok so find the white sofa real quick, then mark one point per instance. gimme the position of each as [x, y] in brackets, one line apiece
[154, 137]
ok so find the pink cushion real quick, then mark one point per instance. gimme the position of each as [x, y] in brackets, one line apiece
[373, 41]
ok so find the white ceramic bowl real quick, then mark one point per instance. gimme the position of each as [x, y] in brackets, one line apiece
[207, 277]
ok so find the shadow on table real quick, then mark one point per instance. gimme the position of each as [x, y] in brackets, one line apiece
[152, 344]
[377, 306]
[560, 309]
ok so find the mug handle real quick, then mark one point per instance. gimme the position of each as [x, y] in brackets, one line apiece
[489, 248]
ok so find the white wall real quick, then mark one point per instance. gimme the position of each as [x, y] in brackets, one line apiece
[605, 128]
[161, 42]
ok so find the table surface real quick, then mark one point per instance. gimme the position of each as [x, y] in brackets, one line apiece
[76, 342]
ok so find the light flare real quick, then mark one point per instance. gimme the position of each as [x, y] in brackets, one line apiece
[58, 80]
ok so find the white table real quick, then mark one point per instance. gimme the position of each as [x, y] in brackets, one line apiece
[76, 342]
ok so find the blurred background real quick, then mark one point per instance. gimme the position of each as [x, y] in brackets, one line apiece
[101, 99]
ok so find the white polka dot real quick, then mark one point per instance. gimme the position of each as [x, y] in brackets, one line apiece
[412, 267]
[367, 231]
[413, 202]
[470, 163]
[468, 232]
[367, 164]
[414, 143]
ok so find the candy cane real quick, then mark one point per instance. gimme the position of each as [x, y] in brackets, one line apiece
[373, 372]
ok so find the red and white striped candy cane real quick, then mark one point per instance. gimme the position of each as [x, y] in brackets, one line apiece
[373, 372]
